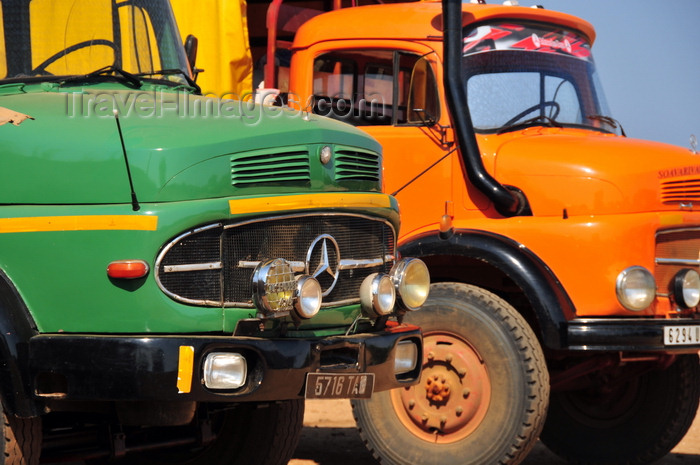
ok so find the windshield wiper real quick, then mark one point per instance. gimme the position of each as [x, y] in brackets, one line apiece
[608, 120]
[540, 120]
[108, 71]
[170, 72]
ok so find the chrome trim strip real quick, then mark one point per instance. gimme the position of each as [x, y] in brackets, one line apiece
[297, 266]
[677, 230]
[193, 267]
[352, 264]
[677, 261]
[345, 263]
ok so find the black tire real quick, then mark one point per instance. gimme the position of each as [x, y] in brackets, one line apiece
[636, 421]
[250, 434]
[21, 440]
[476, 347]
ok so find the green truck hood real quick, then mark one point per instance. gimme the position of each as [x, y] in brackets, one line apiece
[71, 151]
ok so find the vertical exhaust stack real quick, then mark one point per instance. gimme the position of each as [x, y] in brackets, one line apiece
[507, 202]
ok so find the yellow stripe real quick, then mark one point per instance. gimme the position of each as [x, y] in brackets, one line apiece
[670, 219]
[78, 223]
[185, 366]
[308, 201]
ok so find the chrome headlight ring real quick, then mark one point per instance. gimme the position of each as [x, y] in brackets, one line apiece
[412, 281]
[686, 288]
[636, 288]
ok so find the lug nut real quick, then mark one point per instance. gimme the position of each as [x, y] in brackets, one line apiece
[466, 392]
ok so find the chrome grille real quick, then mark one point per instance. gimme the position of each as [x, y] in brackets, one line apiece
[357, 165]
[686, 190]
[256, 168]
[213, 265]
[675, 249]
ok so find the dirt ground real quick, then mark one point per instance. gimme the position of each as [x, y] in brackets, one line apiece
[329, 437]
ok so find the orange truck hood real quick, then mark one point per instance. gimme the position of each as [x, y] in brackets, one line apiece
[579, 173]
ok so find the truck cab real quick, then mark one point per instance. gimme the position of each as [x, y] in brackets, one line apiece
[178, 273]
[563, 253]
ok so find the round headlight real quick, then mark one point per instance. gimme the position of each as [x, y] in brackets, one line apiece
[686, 288]
[308, 297]
[636, 288]
[412, 281]
[377, 295]
[274, 286]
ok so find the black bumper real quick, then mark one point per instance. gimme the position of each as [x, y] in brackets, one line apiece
[633, 335]
[104, 368]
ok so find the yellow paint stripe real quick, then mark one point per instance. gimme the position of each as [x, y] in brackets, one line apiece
[185, 366]
[78, 223]
[670, 219]
[308, 201]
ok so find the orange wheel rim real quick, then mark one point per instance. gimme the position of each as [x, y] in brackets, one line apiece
[453, 395]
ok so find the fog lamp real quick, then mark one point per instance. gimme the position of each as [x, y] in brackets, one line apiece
[412, 281]
[224, 370]
[308, 297]
[406, 357]
[377, 295]
[274, 287]
[686, 288]
[636, 288]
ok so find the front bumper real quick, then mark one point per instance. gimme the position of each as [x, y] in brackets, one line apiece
[628, 334]
[105, 368]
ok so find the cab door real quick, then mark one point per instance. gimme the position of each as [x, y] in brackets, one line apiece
[393, 95]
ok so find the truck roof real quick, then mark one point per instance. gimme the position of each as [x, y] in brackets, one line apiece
[418, 21]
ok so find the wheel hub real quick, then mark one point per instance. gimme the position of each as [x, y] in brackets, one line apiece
[453, 394]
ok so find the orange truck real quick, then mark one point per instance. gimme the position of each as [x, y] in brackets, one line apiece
[564, 255]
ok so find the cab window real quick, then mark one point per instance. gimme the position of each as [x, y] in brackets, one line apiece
[378, 87]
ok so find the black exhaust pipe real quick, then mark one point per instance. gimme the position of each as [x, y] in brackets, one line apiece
[508, 202]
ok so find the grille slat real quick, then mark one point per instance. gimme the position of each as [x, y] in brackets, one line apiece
[687, 190]
[356, 165]
[270, 168]
[675, 249]
[359, 239]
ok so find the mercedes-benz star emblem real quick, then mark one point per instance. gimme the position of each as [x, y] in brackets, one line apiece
[323, 262]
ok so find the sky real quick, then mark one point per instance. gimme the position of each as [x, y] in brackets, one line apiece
[647, 53]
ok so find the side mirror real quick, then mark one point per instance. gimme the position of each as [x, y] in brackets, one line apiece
[191, 44]
[423, 95]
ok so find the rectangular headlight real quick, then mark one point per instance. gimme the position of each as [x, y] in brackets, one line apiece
[406, 357]
[224, 370]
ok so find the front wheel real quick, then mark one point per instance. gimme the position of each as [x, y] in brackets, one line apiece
[619, 419]
[483, 393]
[20, 440]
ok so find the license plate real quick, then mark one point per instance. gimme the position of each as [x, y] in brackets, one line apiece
[681, 335]
[339, 385]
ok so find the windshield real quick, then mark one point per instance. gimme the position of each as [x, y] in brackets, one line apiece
[49, 39]
[519, 75]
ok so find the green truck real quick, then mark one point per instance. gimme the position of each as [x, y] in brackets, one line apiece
[179, 273]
